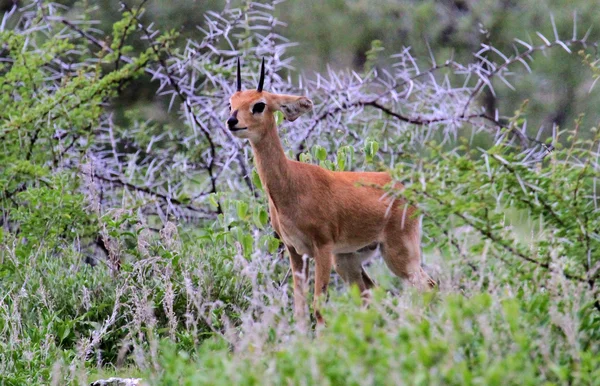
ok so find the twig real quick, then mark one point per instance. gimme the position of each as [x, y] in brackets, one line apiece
[141, 189]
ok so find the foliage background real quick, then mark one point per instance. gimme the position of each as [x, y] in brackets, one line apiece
[135, 236]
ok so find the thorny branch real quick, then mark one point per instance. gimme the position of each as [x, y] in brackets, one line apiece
[503, 244]
[167, 199]
[156, 47]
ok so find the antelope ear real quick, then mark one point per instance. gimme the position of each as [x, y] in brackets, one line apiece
[292, 106]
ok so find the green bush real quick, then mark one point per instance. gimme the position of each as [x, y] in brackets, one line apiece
[133, 246]
[489, 338]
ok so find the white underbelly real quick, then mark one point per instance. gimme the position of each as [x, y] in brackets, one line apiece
[296, 240]
[365, 252]
[303, 244]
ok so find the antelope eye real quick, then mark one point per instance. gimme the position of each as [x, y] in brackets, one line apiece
[258, 108]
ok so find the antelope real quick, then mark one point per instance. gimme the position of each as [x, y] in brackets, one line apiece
[336, 218]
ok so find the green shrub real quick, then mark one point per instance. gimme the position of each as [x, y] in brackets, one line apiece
[491, 339]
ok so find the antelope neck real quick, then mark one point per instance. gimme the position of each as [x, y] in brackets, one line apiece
[273, 168]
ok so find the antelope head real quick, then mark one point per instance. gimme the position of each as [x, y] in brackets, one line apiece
[251, 111]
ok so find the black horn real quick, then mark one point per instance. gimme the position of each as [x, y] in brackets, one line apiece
[239, 76]
[261, 81]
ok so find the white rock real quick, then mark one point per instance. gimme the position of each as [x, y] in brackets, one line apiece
[118, 382]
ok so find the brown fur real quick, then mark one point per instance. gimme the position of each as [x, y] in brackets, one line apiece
[337, 218]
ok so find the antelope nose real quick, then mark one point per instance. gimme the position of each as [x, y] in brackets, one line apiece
[232, 121]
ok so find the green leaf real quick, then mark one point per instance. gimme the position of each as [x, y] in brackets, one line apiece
[242, 209]
[371, 148]
[278, 117]
[260, 217]
[256, 179]
[264, 217]
[65, 334]
[320, 152]
[273, 244]
[306, 158]
[248, 244]
[212, 199]
[341, 163]
[327, 164]
[345, 156]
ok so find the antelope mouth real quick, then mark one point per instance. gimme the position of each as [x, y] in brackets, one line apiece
[234, 129]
